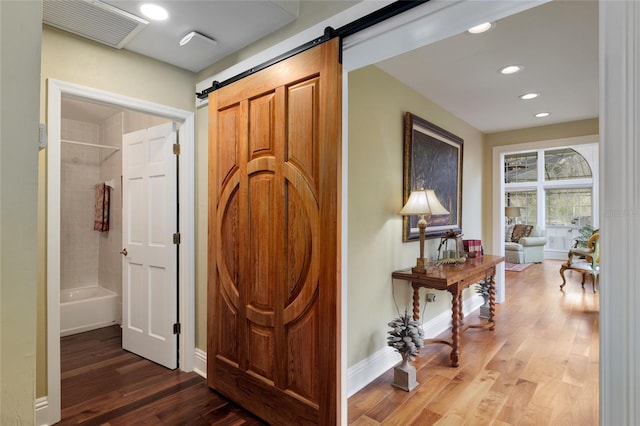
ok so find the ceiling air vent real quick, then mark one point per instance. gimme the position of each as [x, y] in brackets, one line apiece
[94, 20]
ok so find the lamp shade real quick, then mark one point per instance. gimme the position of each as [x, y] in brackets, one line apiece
[416, 204]
[423, 202]
[435, 207]
[512, 211]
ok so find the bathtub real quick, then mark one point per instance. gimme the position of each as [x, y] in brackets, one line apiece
[87, 308]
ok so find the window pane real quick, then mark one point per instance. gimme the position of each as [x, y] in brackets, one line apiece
[528, 203]
[568, 207]
[565, 164]
[521, 167]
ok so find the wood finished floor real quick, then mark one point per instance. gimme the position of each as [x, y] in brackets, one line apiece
[102, 384]
[539, 367]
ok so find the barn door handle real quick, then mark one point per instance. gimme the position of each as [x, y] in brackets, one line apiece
[124, 251]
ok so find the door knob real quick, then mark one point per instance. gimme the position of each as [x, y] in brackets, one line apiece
[124, 251]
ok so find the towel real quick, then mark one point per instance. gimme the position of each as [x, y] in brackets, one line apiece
[101, 219]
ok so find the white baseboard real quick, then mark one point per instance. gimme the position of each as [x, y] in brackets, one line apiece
[200, 362]
[42, 411]
[556, 254]
[370, 368]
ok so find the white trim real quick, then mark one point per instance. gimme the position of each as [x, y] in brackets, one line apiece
[370, 368]
[186, 160]
[42, 411]
[555, 254]
[344, 247]
[423, 25]
[619, 212]
[187, 262]
[200, 362]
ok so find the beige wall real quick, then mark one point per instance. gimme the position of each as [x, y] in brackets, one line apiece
[377, 103]
[76, 60]
[73, 59]
[543, 133]
[19, 87]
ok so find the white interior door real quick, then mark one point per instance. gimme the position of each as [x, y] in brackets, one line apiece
[149, 296]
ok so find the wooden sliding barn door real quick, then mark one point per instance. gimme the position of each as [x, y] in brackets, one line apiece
[274, 225]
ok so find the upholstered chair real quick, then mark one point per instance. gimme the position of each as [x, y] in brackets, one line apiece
[524, 244]
[584, 260]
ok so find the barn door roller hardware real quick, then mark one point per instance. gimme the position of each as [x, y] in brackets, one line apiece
[351, 28]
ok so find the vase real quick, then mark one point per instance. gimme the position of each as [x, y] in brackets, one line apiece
[485, 309]
[404, 375]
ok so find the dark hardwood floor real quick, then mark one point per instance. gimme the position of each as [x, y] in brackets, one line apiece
[104, 385]
[539, 367]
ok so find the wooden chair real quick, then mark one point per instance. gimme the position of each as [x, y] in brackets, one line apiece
[584, 260]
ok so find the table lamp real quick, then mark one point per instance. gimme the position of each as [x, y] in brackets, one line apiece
[422, 203]
[511, 213]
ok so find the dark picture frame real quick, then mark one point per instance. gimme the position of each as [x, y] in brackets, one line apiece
[432, 160]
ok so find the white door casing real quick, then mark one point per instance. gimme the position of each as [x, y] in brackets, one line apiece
[149, 270]
[48, 411]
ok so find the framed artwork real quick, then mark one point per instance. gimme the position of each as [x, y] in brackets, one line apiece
[432, 160]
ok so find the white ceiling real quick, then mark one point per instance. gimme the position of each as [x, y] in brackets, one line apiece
[232, 24]
[557, 43]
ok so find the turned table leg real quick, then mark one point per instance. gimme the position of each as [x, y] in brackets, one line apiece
[455, 327]
[416, 302]
[492, 303]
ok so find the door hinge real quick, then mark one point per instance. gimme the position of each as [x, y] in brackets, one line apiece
[176, 238]
[176, 149]
[176, 328]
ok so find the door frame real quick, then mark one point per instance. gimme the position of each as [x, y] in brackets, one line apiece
[186, 253]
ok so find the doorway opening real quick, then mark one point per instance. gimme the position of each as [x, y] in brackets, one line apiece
[65, 97]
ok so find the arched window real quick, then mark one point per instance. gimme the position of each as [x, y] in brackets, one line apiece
[554, 189]
[565, 163]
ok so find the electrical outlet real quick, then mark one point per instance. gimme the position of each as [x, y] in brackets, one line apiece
[431, 297]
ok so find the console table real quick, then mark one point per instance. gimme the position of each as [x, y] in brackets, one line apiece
[454, 279]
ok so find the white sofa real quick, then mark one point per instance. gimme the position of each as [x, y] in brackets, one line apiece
[527, 249]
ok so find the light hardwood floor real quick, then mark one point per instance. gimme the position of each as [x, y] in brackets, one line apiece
[539, 366]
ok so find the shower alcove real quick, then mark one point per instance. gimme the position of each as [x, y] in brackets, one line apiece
[90, 260]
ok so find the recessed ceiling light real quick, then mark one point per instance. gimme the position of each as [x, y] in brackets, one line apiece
[153, 11]
[543, 114]
[528, 96]
[479, 29]
[510, 69]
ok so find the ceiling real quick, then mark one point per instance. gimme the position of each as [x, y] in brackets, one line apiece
[119, 23]
[556, 43]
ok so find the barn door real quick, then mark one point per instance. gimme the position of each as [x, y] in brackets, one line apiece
[274, 193]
